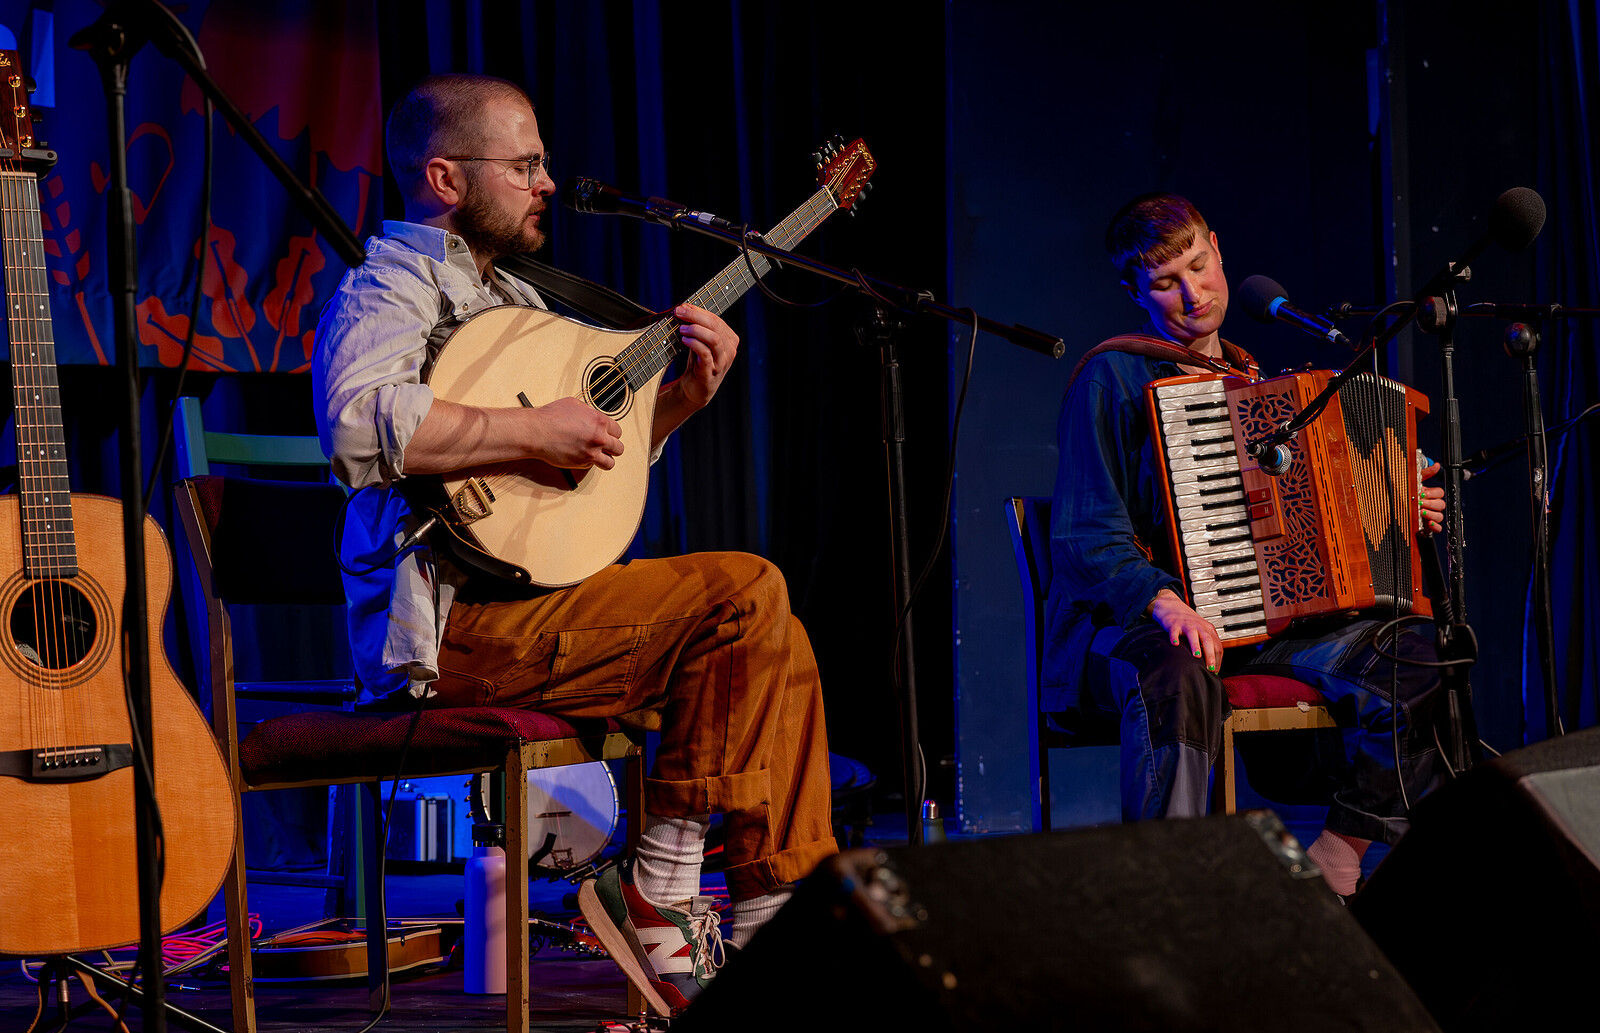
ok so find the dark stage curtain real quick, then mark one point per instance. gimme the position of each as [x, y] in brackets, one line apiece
[1569, 135]
[717, 105]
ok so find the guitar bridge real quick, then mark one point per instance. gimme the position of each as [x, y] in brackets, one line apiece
[65, 763]
[473, 501]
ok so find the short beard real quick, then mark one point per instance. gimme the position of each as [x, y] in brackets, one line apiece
[489, 231]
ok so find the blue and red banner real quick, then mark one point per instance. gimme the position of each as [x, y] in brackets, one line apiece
[305, 72]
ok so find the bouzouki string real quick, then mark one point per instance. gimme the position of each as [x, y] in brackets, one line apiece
[657, 345]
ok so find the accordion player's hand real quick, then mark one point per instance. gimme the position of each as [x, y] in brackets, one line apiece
[1430, 501]
[1186, 627]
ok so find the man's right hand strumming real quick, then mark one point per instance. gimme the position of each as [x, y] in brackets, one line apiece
[566, 433]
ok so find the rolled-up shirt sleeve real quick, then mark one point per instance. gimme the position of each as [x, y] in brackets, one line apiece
[371, 342]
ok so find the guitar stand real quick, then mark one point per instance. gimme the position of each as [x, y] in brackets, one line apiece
[60, 968]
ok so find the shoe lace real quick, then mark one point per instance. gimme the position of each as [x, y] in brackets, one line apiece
[707, 938]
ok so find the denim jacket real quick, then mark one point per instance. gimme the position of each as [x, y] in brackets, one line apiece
[1107, 513]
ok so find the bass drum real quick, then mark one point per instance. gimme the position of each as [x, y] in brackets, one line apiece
[572, 813]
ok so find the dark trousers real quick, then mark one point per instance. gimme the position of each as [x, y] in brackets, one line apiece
[1170, 711]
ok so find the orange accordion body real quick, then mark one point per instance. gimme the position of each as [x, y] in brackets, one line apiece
[1336, 533]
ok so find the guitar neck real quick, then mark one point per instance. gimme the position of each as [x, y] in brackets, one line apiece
[48, 544]
[653, 351]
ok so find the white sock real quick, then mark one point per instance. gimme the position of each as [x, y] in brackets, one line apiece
[667, 862]
[1339, 857]
[749, 915]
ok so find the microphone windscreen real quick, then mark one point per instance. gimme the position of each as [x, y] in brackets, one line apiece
[1517, 218]
[579, 194]
[1256, 294]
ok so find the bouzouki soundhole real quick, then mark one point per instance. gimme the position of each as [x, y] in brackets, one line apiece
[53, 625]
[607, 388]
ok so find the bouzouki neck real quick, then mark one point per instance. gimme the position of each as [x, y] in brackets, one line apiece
[658, 346]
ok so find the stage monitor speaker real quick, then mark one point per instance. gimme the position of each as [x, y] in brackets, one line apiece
[1207, 924]
[1490, 905]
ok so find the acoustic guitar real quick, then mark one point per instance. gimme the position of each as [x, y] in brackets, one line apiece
[68, 870]
[538, 524]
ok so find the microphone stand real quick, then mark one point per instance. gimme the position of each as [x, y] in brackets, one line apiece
[1521, 342]
[883, 329]
[1457, 644]
[112, 41]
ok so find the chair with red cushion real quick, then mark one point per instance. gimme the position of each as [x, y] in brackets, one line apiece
[255, 542]
[1261, 702]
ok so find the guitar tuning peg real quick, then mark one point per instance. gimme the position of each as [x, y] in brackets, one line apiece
[28, 84]
[816, 158]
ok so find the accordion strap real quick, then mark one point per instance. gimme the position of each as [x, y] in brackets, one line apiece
[1235, 362]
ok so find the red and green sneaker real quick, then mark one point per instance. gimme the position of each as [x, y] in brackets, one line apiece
[670, 952]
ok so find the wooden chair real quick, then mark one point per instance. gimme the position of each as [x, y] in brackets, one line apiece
[195, 449]
[1260, 702]
[257, 541]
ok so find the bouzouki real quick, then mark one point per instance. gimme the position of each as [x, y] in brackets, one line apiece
[538, 524]
[68, 868]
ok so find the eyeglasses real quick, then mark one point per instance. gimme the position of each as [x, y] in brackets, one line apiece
[522, 171]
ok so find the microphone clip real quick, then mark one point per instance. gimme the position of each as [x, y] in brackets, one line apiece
[1272, 453]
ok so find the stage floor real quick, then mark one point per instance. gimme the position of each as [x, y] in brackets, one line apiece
[570, 991]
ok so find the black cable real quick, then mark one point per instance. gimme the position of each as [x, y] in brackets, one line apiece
[744, 249]
[1558, 431]
[410, 542]
[385, 823]
[207, 166]
[933, 553]
[1408, 619]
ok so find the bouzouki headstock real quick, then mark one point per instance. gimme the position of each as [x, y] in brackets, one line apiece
[19, 147]
[844, 169]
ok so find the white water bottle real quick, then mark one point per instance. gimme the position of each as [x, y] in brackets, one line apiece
[484, 939]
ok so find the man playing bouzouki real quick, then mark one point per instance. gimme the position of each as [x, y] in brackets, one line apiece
[702, 648]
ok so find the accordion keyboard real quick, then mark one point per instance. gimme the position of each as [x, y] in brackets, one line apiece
[1209, 508]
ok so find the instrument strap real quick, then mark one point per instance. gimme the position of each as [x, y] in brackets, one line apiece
[585, 297]
[1235, 362]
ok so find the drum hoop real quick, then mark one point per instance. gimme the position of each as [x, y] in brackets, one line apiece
[478, 804]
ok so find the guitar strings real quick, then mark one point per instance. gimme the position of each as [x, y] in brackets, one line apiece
[60, 631]
[47, 728]
[42, 722]
[657, 346]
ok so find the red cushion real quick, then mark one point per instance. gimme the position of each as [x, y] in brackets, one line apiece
[1247, 691]
[334, 744]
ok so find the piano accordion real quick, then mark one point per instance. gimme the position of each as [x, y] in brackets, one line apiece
[1337, 532]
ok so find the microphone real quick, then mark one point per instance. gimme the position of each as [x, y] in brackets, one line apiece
[1265, 300]
[596, 198]
[1516, 219]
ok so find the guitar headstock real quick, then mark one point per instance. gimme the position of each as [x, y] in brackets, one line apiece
[19, 147]
[844, 169]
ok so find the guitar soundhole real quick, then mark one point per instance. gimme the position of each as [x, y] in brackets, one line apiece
[607, 388]
[53, 625]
